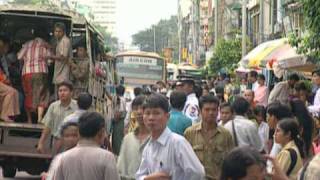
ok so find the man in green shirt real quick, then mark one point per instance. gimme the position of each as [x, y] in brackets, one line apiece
[210, 142]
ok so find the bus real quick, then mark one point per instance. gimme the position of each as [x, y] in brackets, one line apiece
[175, 71]
[138, 68]
[18, 140]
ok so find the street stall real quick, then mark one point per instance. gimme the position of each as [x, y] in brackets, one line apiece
[277, 55]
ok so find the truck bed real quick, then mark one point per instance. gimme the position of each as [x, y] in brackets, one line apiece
[14, 151]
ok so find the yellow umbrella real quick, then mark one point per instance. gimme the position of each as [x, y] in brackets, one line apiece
[253, 58]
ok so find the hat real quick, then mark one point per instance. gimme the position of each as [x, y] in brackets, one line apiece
[185, 79]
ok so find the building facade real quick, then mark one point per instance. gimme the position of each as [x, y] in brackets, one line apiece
[103, 11]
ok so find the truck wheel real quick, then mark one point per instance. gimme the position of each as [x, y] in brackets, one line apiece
[8, 171]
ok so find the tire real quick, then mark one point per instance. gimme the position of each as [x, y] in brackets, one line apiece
[8, 171]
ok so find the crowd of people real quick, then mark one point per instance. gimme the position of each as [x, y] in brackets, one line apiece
[226, 128]
[175, 132]
[28, 71]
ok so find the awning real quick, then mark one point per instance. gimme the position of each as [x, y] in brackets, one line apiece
[280, 51]
[254, 58]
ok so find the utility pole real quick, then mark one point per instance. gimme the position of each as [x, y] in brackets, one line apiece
[261, 21]
[154, 39]
[244, 27]
[215, 22]
[179, 30]
[272, 18]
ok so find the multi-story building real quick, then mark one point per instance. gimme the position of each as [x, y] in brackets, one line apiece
[293, 17]
[274, 19]
[104, 11]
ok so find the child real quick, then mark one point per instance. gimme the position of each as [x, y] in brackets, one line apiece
[70, 137]
[263, 127]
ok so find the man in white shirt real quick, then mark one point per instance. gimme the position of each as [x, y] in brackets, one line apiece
[315, 108]
[191, 108]
[167, 155]
[244, 131]
[253, 80]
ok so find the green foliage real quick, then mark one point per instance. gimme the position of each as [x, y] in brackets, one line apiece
[111, 43]
[309, 44]
[226, 56]
[166, 35]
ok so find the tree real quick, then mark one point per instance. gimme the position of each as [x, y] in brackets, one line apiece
[166, 35]
[111, 43]
[226, 56]
[309, 44]
[31, 1]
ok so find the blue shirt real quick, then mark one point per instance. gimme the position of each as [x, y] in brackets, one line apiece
[178, 122]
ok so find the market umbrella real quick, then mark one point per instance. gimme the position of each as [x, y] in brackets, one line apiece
[254, 58]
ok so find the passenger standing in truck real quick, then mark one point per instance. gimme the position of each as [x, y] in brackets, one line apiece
[34, 55]
[80, 71]
[63, 51]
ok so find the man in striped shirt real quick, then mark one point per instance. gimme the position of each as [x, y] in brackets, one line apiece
[34, 54]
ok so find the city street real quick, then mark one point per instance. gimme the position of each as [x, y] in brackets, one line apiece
[21, 176]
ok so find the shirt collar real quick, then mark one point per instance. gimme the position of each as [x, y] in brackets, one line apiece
[239, 117]
[173, 110]
[289, 145]
[86, 142]
[192, 95]
[198, 127]
[164, 136]
[69, 106]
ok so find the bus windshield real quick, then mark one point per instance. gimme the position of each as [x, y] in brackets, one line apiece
[140, 67]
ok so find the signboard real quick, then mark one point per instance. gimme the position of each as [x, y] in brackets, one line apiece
[140, 67]
[139, 60]
[184, 53]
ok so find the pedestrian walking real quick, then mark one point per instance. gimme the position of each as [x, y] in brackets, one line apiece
[167, 155]
[191, 108]
[88, 160]
[243, 130]
[56, 112]
[209, 141]
[243, 163]
[178, 122]
[226, 113]
[291, 154]
[263, 127]
[133, 143]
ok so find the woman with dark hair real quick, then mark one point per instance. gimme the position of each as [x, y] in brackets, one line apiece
[306, 125]
[291, 154]
[243, 163]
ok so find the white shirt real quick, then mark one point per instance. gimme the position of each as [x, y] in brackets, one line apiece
[276, 148]
[170, 153]
[191, 108]
[246, 132]
[255, 85]
[315, 108]
[74, 117]
[264, 135]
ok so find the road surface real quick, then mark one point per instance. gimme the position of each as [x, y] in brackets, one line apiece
[21, 176]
